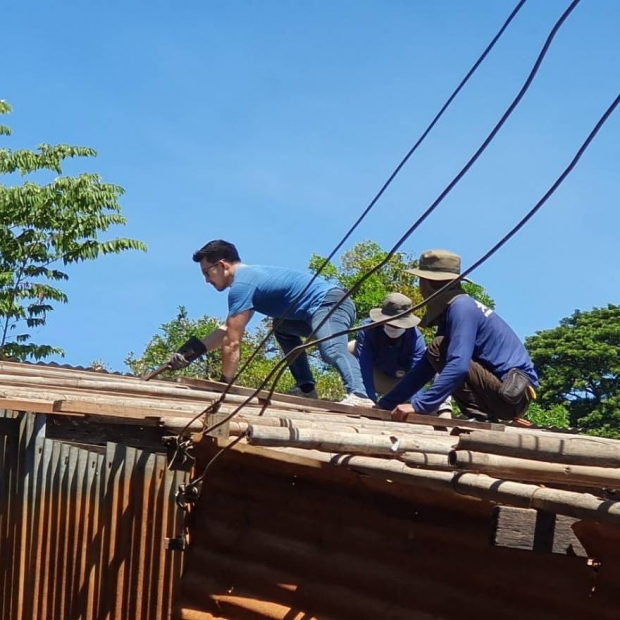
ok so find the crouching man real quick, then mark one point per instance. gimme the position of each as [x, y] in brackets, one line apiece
[478, 358]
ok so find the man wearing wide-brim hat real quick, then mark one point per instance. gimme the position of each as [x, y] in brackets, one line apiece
[390, 346]
[478, 358]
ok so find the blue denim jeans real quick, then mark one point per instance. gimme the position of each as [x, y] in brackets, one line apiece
[333, 351]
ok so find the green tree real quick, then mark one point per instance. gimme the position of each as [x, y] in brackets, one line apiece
[363, 257]
[43, 228]
[175, 332]
[556, 415]
[353, 265]
[579, 368]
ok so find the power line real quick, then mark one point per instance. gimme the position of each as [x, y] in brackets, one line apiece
[280, 368]
[372, 203]
[384, 187]
[513, 231]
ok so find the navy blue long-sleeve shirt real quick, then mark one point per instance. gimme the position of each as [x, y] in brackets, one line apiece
[474, 332]
[393, 356]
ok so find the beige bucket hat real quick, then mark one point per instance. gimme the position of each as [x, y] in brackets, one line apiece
[393, 305]
[438, 265]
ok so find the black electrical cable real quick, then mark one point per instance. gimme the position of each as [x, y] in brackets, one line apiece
[371, 205]
[281, 366]
[513, 231]
[387, 183]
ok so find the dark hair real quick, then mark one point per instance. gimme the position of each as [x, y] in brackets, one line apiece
[215, 250]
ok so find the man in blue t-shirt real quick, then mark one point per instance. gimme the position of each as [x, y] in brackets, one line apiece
[297, 303]
[480, 361]
[387, 351]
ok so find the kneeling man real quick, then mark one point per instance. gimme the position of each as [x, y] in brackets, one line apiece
[478, 358]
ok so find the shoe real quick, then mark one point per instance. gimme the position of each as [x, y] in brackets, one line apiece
[296, 391]
[521, 422]
[445, 413]
[478, 417]
[357, 401]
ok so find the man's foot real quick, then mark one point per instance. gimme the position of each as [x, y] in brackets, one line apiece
[357, 401]
[297, 391]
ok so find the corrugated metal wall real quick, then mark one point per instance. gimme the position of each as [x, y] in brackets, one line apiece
[281, 540]
[82, 529]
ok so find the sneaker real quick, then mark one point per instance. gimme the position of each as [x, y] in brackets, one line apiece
[296, 391]
[357, 401]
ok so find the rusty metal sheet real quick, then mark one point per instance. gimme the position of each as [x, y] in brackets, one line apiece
[82, 529]
[280, 540]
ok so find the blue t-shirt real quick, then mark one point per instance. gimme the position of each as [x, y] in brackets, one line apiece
[394, 357]
[271, 290]
[474, 332]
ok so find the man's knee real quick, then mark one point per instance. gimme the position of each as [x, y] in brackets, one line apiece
[435, 352]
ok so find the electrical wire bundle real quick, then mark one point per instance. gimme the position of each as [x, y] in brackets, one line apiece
[183, 441]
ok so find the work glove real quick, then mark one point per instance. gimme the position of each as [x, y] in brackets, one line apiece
[187, 353]
[178, 361]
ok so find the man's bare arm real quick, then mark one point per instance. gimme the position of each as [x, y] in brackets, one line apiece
[231, 344]
[215, 339]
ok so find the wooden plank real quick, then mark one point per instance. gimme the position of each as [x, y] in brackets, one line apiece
[86, 431]
[100, 409]
[437, 422]
[223, 425]
[333, 407]
[104, 413]
[23, 404]
[535, 530]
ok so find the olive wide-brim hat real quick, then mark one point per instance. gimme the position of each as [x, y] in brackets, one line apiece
[438, 265]
[393, 305]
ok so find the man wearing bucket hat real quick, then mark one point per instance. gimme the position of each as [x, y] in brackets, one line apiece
[479, 359]
[387, 351]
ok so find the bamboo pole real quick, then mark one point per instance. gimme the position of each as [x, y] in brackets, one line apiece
[559, 448]
[85, 402]
[534, 471]
[348, 442]
[426, 460]
[578, 505]
[570, 503]
[77, 398]
[184, 400]
[119, 386]
[548, 432]
[275, 418]
[134, 386]
[74, 395]
[20, 368]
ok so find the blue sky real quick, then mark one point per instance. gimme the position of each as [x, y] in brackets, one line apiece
[273, 123]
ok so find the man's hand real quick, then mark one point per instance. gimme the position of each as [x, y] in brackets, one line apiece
[189, 351]
[401, 412]
[178, 361]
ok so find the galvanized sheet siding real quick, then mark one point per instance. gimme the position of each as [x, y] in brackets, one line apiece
[82, 530]
[279, 540]
[9, 510]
